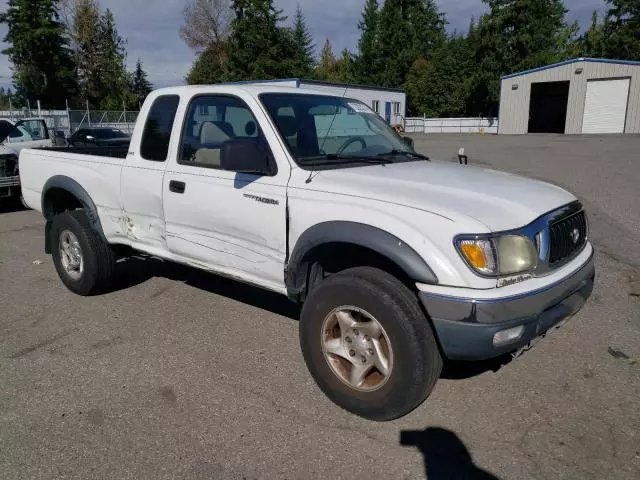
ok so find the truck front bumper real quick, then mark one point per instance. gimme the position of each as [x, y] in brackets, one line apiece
[8, 185]
[10, 181]
[477, 329]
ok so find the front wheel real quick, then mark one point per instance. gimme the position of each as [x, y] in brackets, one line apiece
[368, 345]
[85, 262]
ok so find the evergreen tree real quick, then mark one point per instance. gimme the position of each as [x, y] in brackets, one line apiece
[113, 71]
[258, 47]
[440, 87]
[622, 30]
[140, 85]
[516, 35]
[207, 69]
[344, 69]
[100, 57]
[327, 67]
[592, 42]
[42, 64]
[368, 62]
[408, 30]
[5, 97]
[84, 30]
[302, 46]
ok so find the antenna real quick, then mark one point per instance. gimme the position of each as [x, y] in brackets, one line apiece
[327, 134]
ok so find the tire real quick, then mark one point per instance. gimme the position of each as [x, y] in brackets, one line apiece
[413, 357]
[95, 270]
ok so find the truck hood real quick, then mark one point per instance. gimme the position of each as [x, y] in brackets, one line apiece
[501, 201]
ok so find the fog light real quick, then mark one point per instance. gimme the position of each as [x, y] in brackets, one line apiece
[508, 336]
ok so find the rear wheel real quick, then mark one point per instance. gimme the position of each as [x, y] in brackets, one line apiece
[85, 262]
[368, 345]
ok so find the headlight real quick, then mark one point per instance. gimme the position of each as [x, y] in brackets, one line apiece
[500, 255]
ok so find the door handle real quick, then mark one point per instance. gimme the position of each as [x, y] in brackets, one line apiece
[176, 187]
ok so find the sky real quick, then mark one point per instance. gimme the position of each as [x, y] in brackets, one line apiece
[151, 28]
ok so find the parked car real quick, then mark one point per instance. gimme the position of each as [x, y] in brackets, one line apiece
[27, 133]
[98, 136]
[399, 261]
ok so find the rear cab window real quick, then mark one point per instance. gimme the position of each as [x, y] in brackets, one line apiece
[156, 135]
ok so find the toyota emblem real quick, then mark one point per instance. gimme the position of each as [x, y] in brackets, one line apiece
[575, 235]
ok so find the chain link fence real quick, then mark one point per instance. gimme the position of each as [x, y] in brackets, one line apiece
[124, 120]
[68, 121]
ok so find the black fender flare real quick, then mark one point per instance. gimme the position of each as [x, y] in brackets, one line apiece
[70, 185]
[373, 238]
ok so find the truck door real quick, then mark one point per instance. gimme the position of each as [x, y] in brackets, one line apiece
[142, 220]
[230, 222]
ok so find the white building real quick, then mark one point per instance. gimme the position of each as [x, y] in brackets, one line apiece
[389, 103]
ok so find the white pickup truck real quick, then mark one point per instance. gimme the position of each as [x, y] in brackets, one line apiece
[399, 261]
[27, 133]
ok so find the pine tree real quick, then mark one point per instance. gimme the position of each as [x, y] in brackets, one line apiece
[85, 21]
[622, 30]
[327, 67]
[408, 30]
[368, 61]
[207, 69]
[592, 42]
[140, 85]
[345, 67]
[42, 64]
[302, 46]
[100, 56]
[516, 35]
[440, 87]
[258, 47]
[113, 72]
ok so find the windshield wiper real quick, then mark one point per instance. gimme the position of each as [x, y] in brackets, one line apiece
[395, 153]
[335, 159]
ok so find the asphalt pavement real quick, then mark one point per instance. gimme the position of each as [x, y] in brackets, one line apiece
[180, 374]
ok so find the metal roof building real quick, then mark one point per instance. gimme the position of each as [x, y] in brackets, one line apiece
[585, 95]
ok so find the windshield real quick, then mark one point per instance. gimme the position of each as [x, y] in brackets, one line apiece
[320, 129]
[106, 133]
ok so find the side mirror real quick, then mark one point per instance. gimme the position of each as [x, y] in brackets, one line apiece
[246, 155]
[408, 141]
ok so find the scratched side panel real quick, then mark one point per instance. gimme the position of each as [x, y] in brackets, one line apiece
[142, 218]
[99, 176]
[228, 221]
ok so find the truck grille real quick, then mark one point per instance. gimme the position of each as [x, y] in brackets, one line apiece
[567, 237]
[7, 166]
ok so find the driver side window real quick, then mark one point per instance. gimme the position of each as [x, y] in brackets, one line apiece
[211, 121]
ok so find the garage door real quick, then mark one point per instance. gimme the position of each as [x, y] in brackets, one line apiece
[605, 110]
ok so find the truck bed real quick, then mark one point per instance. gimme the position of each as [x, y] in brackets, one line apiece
[97, 174]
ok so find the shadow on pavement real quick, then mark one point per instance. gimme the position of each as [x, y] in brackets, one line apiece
[459, 370]
[10, 205]
[445, 455]
[137, 269]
